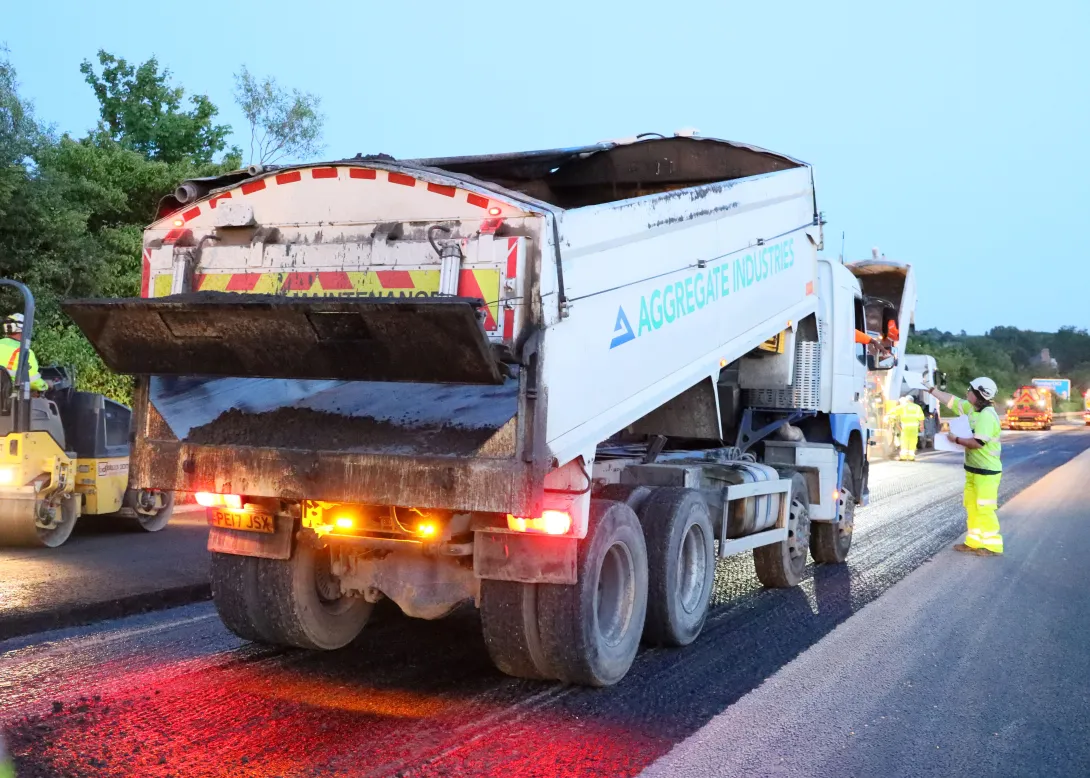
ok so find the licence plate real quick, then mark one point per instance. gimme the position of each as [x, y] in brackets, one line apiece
[248, 522]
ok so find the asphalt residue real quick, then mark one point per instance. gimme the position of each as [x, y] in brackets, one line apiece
[303, 428]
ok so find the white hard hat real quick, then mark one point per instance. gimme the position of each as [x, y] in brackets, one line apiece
[14, 323]
[905, 399]
[985, 387]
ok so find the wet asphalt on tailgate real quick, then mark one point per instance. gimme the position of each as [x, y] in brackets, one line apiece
[174, 694]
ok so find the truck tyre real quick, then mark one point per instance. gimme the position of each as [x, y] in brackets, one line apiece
[509, 621]
[300, 603]
[632, 495]
[590, 632]
[234, 587]
[781, 565]
[831, 541]
[680, 565]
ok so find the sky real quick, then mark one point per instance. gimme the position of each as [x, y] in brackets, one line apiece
[950, 135]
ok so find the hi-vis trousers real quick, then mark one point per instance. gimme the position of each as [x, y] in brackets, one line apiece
[910, 437]
[981, 501]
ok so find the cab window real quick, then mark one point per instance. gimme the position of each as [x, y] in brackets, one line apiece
[861, 325]
[117, 424]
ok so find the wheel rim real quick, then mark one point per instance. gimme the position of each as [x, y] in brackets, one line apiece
[692, 566]
[846, 523]
[798, 532]
[616, 599]
[327, 585]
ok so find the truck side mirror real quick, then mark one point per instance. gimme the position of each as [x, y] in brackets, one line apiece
[940, 380]
[886, 363]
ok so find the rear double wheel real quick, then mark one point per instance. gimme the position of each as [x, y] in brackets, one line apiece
[587, 633]
[287, 602]
[681, 565]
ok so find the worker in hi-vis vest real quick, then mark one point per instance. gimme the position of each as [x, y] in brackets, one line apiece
[983, 467]
[11, 345]
[910, 415]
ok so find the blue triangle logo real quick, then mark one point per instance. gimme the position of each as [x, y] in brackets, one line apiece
[622, 330]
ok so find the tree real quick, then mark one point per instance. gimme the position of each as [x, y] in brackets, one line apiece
[282, 124]
[72, 212]
[142, 111]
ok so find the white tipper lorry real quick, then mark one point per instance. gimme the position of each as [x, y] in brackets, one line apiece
[556, 383]
[889, 290]
[926, 372]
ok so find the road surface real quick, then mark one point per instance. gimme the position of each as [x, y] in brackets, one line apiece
[172, 693]
[104, 570]
[969, 666]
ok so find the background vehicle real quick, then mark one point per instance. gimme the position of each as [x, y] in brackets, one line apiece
[890, 295]
[63, 455]
[926, 371]
[612, 362]
[1029, 409]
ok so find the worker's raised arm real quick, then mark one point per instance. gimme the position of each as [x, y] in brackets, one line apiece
[954, 403]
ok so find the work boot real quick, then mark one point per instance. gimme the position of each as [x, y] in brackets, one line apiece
[964, 549]
[985, 552]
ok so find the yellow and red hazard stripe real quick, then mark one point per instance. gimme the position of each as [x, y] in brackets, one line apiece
[483, 284]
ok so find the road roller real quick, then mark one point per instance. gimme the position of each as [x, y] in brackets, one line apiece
[64, 454]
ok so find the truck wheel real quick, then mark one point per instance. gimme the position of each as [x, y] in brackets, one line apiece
[632, 495]
[148, 522]
[782, 564]
[299, 602]
[680, 565]
[234, 592]
[590, 632]
[509, 621]
[831, 541]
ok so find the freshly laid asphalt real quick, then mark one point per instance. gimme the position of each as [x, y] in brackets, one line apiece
[105, 570]
[173, 693]
[969, 666]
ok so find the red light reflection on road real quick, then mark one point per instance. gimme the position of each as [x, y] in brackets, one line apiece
[259, 719]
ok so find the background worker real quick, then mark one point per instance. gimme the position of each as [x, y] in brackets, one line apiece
[11, 345]
[910, 415]
[983, 467]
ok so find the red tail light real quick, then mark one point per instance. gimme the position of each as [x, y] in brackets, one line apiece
[209, 500]
[550, 523]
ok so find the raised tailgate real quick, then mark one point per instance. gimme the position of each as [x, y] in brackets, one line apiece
[433, 340]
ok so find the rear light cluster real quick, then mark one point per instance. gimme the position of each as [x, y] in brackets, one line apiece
[549, 523]
[209, 500]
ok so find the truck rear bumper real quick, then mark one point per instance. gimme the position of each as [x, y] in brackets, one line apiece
[452, 483]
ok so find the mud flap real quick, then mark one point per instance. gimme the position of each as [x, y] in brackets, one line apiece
[427, 340]
[524, 558]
